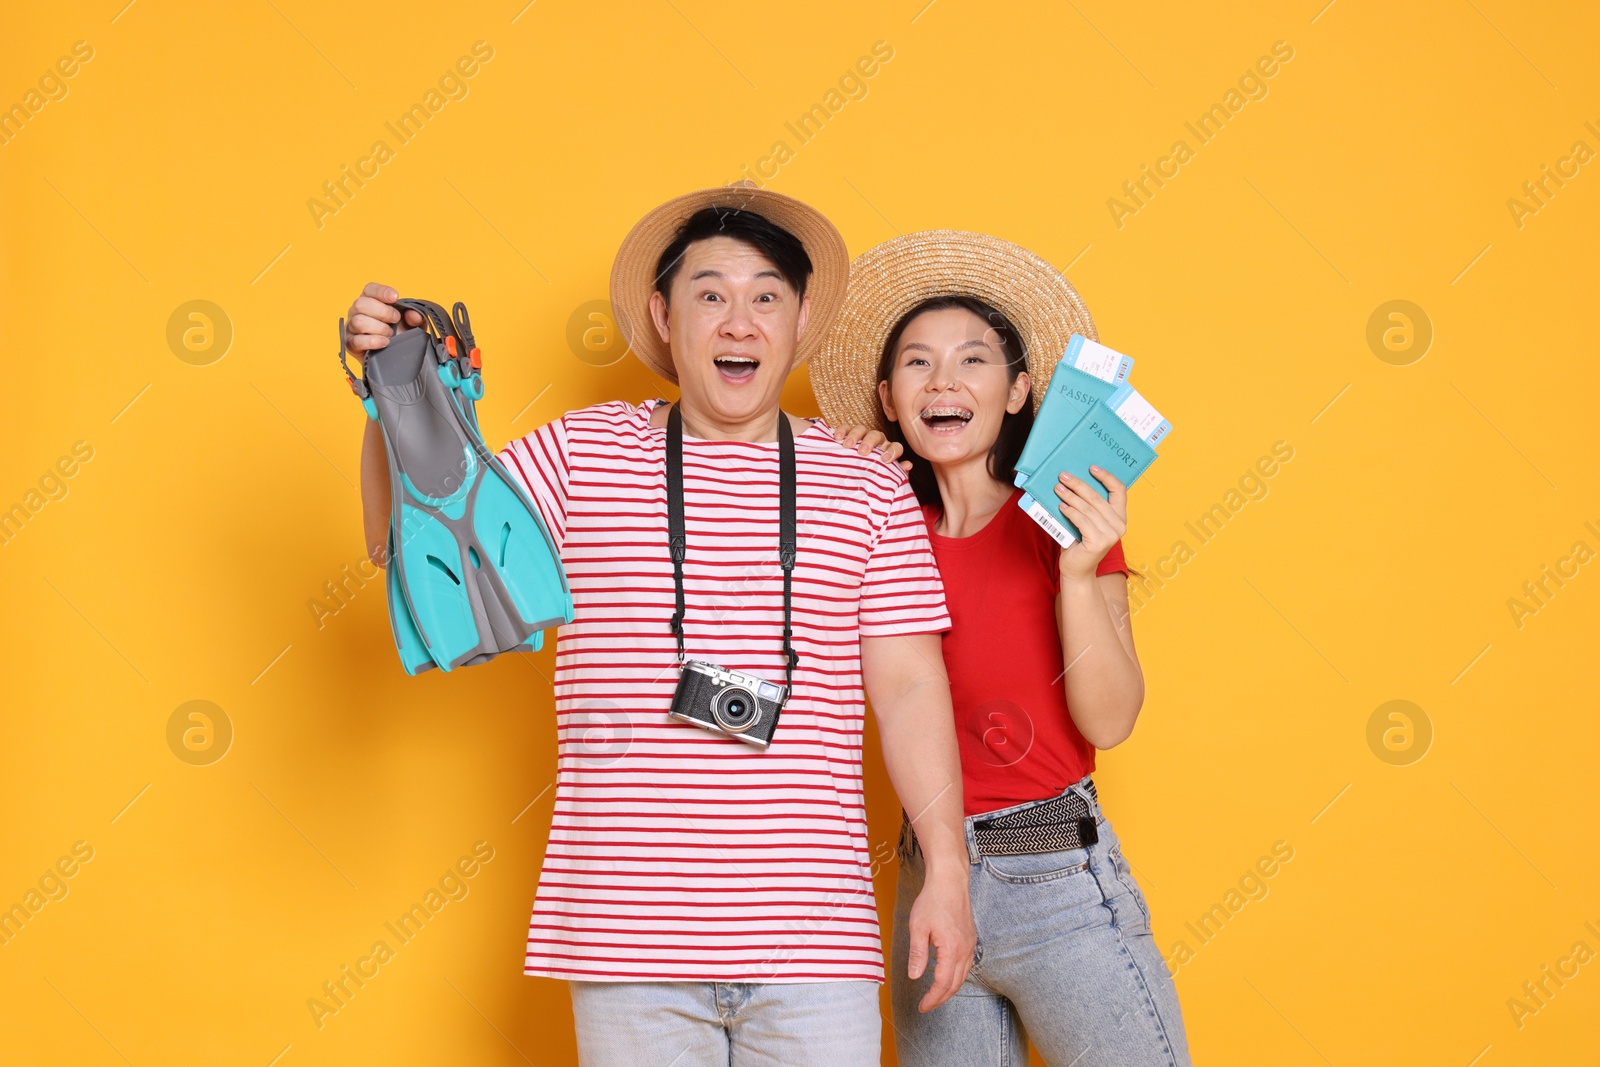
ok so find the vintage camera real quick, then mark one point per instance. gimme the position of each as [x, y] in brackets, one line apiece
[740, 706]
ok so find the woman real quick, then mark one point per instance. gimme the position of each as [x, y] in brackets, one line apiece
[955, 335]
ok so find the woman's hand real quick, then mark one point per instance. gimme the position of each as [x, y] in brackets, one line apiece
[865, 440]
[1101, 522]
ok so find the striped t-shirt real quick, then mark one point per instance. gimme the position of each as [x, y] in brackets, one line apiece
[676, 853]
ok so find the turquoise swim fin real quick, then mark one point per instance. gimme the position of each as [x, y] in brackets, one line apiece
[472, 570]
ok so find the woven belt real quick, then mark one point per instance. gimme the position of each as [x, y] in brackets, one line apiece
[1063, 823]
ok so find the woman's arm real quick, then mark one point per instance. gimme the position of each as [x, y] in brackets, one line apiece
[1103, 680]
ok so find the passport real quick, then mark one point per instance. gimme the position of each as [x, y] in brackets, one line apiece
[1117, 434]
[1088, 372]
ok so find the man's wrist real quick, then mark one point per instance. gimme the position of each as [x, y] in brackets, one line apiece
[946, 861]
[951, 872]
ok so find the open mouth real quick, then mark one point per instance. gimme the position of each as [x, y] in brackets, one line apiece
[946, 417]
[737, 368]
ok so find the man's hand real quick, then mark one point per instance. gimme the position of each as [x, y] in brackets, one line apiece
[941, 916]
[372, 319]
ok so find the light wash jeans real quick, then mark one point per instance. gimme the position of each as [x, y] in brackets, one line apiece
[727, 1024]
[1065, 959]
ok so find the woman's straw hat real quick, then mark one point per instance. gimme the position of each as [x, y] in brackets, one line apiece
[633, 273]
[891, 279]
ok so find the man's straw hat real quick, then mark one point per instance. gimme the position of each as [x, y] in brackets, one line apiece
[891, 279]
[633, 274]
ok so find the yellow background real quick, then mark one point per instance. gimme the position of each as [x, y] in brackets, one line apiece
[1378, 567]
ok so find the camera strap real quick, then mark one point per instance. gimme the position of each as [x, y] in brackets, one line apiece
[678, 542]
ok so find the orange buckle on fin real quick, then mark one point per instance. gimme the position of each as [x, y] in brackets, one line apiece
[450, 346]
[477, 357]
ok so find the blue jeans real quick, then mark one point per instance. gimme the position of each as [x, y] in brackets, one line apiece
[1065, 959]
[727, 1024]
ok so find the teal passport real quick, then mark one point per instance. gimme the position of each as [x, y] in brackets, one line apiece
[1088, 371]
[1071, 395]
[1100, 438]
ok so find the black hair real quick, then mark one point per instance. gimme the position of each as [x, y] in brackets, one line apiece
[1007, 447]
[771, 240]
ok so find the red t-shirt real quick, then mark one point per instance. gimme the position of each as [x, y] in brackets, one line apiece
[1003, 652]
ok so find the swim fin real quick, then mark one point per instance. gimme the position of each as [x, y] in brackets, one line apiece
[472, 570]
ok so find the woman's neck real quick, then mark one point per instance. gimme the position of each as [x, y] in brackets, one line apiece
[970, 496]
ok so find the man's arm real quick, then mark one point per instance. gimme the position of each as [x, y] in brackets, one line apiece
[906, 682]
[375, 499]
[372, 320]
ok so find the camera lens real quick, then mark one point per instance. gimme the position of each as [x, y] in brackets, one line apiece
[734, 708]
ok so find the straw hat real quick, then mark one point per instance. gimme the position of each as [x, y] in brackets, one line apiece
[633, 274]
[891, 279]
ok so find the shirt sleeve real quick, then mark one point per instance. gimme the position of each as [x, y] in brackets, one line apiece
[538, 463]
[901, 592]
[1113, 561]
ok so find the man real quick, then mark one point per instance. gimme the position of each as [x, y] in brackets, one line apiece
[710, 901]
